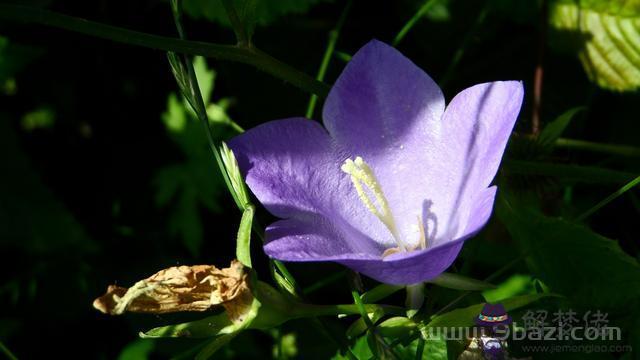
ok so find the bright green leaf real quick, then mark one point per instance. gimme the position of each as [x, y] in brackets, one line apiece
[606, 35]
[464, 317]
[515, 285]
[396, 327]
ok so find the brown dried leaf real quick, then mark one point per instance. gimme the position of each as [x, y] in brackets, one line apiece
[183, 288]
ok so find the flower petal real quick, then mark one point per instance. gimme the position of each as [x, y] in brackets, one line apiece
[292, 167]
[285, 163]
[476, 126]
[295, 240]
[386, 110]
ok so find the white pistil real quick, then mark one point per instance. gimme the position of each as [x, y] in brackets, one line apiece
[361, 174]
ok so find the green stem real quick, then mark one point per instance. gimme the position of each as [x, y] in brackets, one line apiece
[5, 350]
[609, 198]
[246, 55]
[610, 149]
[457, 56]
[312, 310]
[328, 53]
[414, 19]
[234, 19]
[577, 173]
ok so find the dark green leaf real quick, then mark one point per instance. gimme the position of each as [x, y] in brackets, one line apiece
[554, 129]
[572, 260]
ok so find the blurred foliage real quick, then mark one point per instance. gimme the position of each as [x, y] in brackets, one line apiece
[196, 182]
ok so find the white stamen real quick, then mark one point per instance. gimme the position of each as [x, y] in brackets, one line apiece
[361, 174]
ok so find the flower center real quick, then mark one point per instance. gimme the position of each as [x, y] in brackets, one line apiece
[363, 178]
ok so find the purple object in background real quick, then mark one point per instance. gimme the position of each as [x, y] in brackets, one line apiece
[395, 182]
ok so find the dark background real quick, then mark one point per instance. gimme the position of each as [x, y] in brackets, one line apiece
[78, 199]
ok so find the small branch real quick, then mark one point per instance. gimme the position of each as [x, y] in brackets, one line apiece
[328, 53]
[414, 19]
[249, 56]
[539, 72]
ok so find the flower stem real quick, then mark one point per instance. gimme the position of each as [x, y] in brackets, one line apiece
[414, 19]
[457, 56]
[328, 54]
[242, 54]
[611, 149]
[609, 198]
[7, 352]
[238, 27]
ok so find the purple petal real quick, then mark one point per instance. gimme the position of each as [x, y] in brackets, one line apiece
[295, 240]
[292, 167]
[386, 110]
[287, 165]
[475, 129]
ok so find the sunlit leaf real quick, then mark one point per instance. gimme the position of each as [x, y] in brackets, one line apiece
[514, 285]
[606, 35]
[613, 7]
[396, 327]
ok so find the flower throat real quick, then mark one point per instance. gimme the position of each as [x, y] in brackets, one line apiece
[365, 182]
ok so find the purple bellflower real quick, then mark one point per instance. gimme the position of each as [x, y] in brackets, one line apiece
[395, 182]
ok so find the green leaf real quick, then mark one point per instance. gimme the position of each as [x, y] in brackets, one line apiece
[138, 349]
[360, 326]
[613, 7]
[460, 282]
[464, 317]
[606, 36]
[380, 292]
[210, 349]
[515, 285]
[396, 327]
[572, 260]
[204, 328]
[554, 129]
[243, 242]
